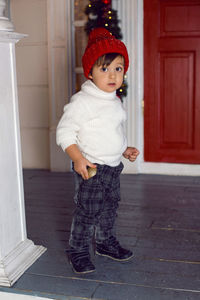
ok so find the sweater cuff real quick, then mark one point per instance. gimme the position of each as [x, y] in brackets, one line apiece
[65, 145]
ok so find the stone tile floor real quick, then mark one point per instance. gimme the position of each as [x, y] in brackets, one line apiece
[159, 219]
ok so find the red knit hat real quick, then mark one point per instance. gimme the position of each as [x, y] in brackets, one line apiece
[101, 42]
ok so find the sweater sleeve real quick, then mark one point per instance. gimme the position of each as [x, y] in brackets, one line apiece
[70, 123]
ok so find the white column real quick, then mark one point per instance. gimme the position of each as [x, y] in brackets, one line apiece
[17, 253]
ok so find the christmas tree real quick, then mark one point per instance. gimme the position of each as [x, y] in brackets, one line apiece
[101, 14]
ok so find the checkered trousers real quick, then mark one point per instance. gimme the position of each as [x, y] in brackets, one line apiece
[96, 205]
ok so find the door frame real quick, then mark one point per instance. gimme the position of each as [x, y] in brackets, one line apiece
[131, 14]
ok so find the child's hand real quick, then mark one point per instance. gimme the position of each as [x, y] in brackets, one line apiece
[80, 162]
[131, 153]
[81, 165]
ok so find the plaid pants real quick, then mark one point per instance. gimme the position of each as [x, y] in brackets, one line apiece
[96, 205]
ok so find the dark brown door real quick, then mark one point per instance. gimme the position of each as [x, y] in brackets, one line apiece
[172, 81]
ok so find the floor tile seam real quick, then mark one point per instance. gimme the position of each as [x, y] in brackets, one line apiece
[117, 283]
[172, 260]
[175, 229]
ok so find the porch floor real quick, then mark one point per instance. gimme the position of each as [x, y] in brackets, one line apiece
[159, 219]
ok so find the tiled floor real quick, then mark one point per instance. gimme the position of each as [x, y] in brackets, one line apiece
[159, 219]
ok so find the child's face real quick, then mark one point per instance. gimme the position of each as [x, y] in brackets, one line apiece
[109, 78]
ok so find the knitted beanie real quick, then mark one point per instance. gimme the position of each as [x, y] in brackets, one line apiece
[101, 42]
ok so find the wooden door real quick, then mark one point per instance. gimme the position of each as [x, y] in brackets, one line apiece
[172, 81]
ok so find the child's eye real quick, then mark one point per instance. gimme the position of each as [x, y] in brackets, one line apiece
[119, 69]
[104, 69]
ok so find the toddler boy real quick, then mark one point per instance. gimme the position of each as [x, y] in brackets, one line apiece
[91, 132]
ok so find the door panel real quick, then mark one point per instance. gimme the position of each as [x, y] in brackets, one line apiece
[171, 77]
[176, 71]
[180, 18]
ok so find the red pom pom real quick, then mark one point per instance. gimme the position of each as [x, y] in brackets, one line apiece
[106, 1]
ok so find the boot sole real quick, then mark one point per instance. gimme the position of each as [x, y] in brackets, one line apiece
[84, 272]
[113, 258]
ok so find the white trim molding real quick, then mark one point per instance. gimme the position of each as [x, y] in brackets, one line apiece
[60, 73]
[131, 23]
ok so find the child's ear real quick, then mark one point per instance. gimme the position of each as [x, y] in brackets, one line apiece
[90, 76]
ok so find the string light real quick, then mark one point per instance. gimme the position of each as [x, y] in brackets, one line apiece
[106, 24]
[90, 5]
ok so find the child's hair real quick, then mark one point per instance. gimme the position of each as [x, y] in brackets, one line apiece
[106, 59]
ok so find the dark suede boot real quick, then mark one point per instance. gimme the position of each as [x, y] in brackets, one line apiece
[80, 261]
[112, 249]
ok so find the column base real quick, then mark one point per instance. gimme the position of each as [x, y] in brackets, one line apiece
[18, 261]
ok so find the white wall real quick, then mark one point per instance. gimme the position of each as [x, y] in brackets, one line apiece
[30, 17]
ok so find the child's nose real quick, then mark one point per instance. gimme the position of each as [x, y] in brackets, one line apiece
[112, 74]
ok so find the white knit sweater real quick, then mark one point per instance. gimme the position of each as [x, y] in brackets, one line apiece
[94, 120]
